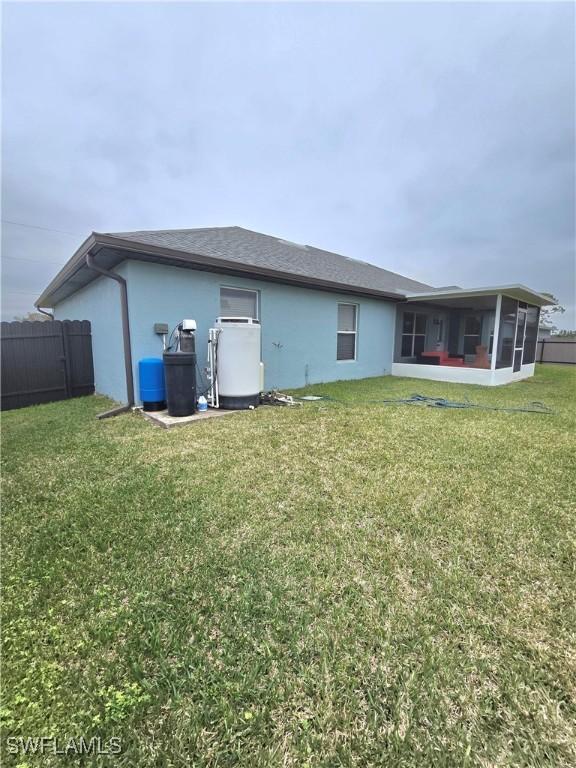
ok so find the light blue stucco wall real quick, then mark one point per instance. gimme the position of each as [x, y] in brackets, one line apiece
[299, 325]
[99, 302]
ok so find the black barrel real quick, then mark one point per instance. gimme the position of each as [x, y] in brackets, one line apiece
[180, 377]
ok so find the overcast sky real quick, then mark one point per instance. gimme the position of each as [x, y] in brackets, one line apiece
[436, 140]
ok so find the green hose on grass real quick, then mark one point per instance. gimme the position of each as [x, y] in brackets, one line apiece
[442, 402]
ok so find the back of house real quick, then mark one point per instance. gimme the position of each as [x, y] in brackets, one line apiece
[323, 316]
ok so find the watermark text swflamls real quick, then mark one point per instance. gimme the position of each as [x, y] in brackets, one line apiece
[50, 745]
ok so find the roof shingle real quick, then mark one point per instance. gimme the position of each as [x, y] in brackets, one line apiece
[231, 250]
[243, 246]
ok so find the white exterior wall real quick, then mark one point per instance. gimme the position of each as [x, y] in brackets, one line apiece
[462, 375]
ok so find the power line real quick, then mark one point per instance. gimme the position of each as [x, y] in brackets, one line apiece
[45, 229]
[22, 293]
[34, 261]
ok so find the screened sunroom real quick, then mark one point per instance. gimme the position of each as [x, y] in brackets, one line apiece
[481, 336]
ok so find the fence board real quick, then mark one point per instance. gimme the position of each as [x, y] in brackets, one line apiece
[556, 351]
[45, 361]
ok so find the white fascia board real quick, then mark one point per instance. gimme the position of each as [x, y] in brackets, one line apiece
[516, 291]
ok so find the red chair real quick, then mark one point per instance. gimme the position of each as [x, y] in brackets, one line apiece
[441, 358]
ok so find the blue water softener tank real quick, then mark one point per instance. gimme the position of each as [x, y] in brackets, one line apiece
[152, 390]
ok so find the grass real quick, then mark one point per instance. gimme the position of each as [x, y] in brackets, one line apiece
[340, 584]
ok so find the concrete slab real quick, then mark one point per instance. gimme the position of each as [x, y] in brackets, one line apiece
[162, 419]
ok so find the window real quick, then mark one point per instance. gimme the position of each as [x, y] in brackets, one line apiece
[238, 302]
[413, 334]
[346, 341]
[472, 333]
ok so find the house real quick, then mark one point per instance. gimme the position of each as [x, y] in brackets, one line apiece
[324, 316]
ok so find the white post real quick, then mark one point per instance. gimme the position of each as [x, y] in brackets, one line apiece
[496, 332]
[213, 394]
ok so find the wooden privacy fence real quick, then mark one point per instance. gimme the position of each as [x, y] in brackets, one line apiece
[46, 361]
[553, 351]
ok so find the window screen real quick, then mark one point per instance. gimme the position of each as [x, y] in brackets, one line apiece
[532, 317]
[346, 337]
[347, 317]
[413, 334]
[408, 322]
[237, 302]
[346, 346]
[472, 326]
[507, 333]
[407, 342]
[472, 333]
[520, 326]
[420, 325]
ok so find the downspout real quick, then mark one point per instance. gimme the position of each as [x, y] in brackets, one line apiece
[48, 314]
[125, 335]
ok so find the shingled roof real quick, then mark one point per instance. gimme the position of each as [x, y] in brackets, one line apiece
[232, 250]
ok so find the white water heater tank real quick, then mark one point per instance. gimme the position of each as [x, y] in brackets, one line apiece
[238, 362]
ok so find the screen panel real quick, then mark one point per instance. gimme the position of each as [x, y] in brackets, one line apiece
[507, 332]
[419, 344]
[346, 349]
[237, 302]
[531, 338]
[406, 350]
[408, 322]
[420, 323]
[346, 317]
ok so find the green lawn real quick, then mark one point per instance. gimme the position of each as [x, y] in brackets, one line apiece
[340, 584]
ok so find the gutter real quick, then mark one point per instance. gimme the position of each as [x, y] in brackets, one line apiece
[125, 335]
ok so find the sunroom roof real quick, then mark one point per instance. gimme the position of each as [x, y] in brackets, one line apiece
[516, 291]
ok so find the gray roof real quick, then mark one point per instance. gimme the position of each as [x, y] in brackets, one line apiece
[232, 250]
[261, 251]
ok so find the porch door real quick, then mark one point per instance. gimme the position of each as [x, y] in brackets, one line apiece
[519, 342]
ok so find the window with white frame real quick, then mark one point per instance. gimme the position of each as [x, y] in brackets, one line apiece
[413, 334]
[347, 331]
[238, 302]
[472, 333]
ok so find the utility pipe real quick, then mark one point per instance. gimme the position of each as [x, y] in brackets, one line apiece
[125, 335]
[48, 314]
